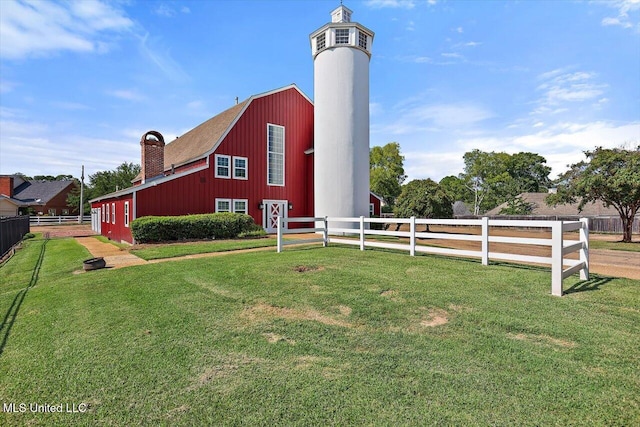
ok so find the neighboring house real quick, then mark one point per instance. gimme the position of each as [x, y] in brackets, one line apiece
[42, 197]
[540, 208]
[254, 158]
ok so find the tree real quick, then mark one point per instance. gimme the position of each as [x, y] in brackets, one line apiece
[494, 178]
[104, 182]
[386, 172]
[517, 206]
[456, 189]
[609, 175]
[423, 198]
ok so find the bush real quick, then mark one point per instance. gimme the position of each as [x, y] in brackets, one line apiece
[28, 236]
[224, 225]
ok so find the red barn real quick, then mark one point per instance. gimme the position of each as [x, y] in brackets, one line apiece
[255, 158]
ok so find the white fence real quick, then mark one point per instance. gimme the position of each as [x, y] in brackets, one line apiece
[560, 248]
[56, 220]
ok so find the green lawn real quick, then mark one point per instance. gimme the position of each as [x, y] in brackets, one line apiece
[616, 246]
[172, 250]
[314, 336]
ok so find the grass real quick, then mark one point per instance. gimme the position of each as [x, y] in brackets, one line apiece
[616, 246]
[329, 336]
[173, 250]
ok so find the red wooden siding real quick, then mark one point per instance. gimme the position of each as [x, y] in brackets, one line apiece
[118, 231]
[376, 204]
[196, 192]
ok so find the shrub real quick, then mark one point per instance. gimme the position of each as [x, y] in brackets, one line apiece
[224, 225]
[28, 236]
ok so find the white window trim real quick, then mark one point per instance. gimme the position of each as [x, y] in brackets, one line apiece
[372, 209]
[126, 214]
[284, 151]
[108, 214]
[246, 205]
[102, 212]
[230, 201]
[230, 167]
[113, 213]
[246, 167]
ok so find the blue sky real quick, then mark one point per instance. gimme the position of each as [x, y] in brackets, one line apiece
[80, 82]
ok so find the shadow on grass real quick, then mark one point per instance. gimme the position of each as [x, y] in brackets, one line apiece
[12, 313]
[592, 284]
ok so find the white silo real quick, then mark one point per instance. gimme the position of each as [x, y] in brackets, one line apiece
[341, 52]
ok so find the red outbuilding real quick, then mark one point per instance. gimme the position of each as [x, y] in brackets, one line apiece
[254, 158]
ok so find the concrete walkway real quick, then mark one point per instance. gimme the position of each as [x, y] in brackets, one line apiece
[113, 256]
[118, 258]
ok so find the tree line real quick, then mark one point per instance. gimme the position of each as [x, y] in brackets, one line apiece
[490, 179]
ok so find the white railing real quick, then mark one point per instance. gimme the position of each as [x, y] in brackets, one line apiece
[55, 220]
[284, 229]
[560, 248]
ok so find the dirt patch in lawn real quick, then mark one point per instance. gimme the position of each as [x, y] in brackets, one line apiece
[307, 268]
[275, 338]
[544, 340]
[266, 311]
[436, 317]
[392, 295]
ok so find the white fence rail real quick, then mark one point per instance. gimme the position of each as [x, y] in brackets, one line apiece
[56, 220]
[560, 248]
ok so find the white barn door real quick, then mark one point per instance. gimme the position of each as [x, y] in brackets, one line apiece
[272, 210]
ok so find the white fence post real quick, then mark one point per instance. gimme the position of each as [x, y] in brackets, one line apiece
[584, 252]
[412, 236]
[485, 240]
[556, 258]
[279, 234]
[361, 233]
[325, 233]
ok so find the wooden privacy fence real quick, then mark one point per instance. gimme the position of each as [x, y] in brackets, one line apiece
[560, 248]
[12, 230]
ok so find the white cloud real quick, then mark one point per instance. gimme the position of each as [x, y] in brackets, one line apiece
[42, 28]
[560, 87]
[627, 14]
[452, 55]
[129, 95]
[380, 4]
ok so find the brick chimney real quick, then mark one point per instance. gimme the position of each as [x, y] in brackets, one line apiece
[6, 185]
[152, 162]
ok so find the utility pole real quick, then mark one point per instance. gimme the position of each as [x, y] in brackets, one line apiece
[81, 212]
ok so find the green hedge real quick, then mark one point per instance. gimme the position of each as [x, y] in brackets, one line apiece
[224, 225]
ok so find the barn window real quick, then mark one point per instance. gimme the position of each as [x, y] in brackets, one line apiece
[371, 210]
[240, 206]
[362, 40]
[102, 212]
[107, 209]
[320, 41]
[342, 36]
[240, 167]
[113, 213]
[126, 214]
[275, 155]
[223, 166]
[223, 205]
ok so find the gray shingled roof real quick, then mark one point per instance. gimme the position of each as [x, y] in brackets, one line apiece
[32, 191]
[540, 207]
[199, 140]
